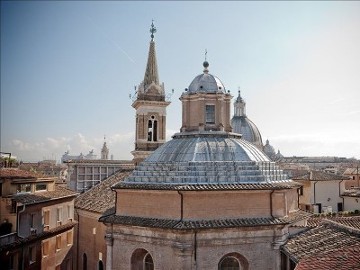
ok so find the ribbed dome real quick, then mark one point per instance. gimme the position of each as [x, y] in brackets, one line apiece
[243, 125]
[206, 83]
[207, 146]
[207, 158]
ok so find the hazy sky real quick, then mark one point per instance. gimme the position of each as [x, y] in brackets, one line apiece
[67, 69]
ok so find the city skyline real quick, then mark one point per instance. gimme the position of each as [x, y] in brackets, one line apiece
[67, 70]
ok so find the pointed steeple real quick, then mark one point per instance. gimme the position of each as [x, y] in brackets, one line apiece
[151, 73]
[239, 106]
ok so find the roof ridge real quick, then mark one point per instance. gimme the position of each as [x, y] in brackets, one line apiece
[340, 226]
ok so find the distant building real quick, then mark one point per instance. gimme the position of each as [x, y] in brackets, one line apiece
[89, 207]
[243, 125]
[104, 151]
[352, 200]
[67, 156]
[38, 215]
[83, 174]
[321, 191]
[46, 167]
[354, 175]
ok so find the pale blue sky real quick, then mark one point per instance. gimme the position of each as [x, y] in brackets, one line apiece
[67, 69]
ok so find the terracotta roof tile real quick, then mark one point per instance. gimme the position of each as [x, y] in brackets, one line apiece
[352, 171]
[32, 198]
[351, 221]
[100, 198]
[202, 224]
[340, 259]
[314, 242]
[14, 173]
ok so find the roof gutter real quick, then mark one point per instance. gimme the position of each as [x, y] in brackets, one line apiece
[271, 203]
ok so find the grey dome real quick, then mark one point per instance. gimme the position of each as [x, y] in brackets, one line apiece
[207, 146]
[249, 131]
[206, 83]
[212, 157]
[269, 150]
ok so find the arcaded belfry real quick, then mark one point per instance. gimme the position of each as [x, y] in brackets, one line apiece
[206, 199]
[150, 106]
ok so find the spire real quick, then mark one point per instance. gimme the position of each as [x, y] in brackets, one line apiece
[151, 73]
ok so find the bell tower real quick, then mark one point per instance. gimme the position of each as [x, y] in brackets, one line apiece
[150, 106]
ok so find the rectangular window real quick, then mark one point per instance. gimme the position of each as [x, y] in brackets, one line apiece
[58, 242]
[24, 188]
[46, 216]
[59, 215]
[13, 206]
[40, 187]
[210, 114]
[69, 238]
[301, 191]
[31, 220]
[70, 212]
[45, 248]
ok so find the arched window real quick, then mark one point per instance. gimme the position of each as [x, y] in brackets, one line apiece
[229, 263]
[100, 265]
[233, 261]
[148, 262]
[84, 261]
[152, 129]
[141, 260]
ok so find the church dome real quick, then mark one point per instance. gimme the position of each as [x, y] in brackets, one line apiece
[208, 157]
[269, 150]
[206, 83]
[249, 131]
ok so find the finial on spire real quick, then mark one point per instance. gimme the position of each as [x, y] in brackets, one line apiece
[205, 54]
[152, 30]
[239, 90]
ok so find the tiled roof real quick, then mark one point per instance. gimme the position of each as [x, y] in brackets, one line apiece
[352, 171]
[340, 259]
[202, 224]
[100, 198]
[14, 173]
[43, 196]
[350, 221]
[320, 176]
[32, 238]
[208, 187]
[313, 242]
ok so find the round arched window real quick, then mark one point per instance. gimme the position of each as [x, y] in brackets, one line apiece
[148, 262]
[229, 263]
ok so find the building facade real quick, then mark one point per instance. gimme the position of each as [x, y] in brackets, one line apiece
[90, 248]
[39, 220]
[321, 191]
[84, 174]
